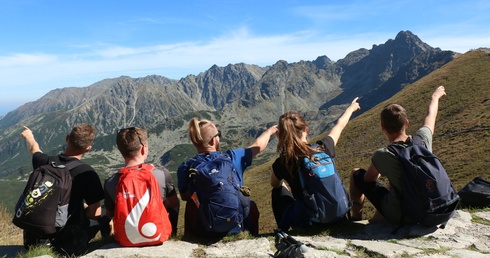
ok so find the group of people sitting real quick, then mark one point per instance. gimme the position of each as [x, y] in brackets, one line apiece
[287, 189]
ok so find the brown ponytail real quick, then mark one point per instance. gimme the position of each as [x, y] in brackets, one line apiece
[290, 146]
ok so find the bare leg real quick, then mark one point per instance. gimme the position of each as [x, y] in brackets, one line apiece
[357, 198]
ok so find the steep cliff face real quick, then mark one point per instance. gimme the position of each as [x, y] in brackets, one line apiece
[243, 97]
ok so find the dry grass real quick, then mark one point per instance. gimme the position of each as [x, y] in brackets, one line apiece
[10, 234]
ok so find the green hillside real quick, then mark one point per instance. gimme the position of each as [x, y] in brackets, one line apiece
[462, 133]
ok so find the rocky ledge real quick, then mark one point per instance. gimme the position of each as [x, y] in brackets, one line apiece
[462, 237]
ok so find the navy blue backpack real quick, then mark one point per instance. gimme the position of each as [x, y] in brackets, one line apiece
[324, 195]
[428, 195]
[222, 205]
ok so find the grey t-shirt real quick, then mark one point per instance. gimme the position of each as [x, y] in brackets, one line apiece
[162, 175]
[389, 166]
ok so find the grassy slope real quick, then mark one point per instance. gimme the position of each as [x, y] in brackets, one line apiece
[462, 133]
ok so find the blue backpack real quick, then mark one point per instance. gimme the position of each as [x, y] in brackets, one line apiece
[222, 205]
[428, 196]
[324, 195]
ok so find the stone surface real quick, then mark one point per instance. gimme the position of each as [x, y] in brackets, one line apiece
[460, 238]
[167, 249]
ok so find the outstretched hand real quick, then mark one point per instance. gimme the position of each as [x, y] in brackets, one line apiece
[27, 133]
[273, 130]
[354, 105]
[439, 92]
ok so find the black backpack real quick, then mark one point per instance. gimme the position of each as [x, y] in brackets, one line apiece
[42, 207]
[222, 205]
[476, 193]
[428, 196]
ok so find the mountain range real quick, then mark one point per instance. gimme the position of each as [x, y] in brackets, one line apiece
[242, 99]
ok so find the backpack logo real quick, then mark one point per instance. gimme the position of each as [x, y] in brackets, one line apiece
[430, 185]
[42, 207]
[140, 218]
[131, 224]
[127, 195]
[324, 195]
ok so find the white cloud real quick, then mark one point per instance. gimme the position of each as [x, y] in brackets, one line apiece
[26, 60]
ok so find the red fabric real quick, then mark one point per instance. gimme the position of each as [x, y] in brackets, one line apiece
[140, 218]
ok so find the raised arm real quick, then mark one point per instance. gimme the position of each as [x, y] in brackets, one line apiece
[343, 120]
[261, 142]
[430, 118]
[32, 145]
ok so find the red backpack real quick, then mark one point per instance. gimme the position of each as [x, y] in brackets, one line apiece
[140, 218]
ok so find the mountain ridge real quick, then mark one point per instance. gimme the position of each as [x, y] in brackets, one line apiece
[242, 98]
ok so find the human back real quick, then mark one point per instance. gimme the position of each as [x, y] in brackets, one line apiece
[85, 196]
[387, 161]
[300, 195]
[134, 197]
[224, 170]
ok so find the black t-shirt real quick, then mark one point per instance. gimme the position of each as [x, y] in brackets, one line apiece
[281, 172]
[86, 185]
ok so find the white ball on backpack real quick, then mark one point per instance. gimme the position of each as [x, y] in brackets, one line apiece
[149, 229]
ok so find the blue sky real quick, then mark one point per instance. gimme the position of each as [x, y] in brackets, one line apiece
[55, 44]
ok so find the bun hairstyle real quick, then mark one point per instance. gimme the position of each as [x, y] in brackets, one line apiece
[201, 132]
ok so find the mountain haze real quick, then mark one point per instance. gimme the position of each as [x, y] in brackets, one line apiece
[243, 99]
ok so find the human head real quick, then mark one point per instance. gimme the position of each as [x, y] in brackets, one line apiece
[130, 140]
[81, 138]
[291, 136]
[393, 118]
[203, 135]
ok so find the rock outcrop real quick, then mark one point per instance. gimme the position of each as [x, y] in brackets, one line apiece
[460, 238]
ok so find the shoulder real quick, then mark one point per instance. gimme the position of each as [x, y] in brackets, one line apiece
[424, 131]
[184, 166]
[381, 154]
[111, 181]
[39, 159]
[278, 163]
[239, 152]
[161, 173]
[328, 141]
[329, 145]
[40, 156]
[425, 134]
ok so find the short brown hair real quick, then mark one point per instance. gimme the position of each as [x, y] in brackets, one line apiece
[81, 137]
[129, 140]
[393, 118]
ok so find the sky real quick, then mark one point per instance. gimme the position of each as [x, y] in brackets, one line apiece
[46, 45]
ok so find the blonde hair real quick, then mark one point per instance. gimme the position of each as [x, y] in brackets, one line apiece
[290, 145]
[201, 132]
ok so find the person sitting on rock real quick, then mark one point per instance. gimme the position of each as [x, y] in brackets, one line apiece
[204, 197]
